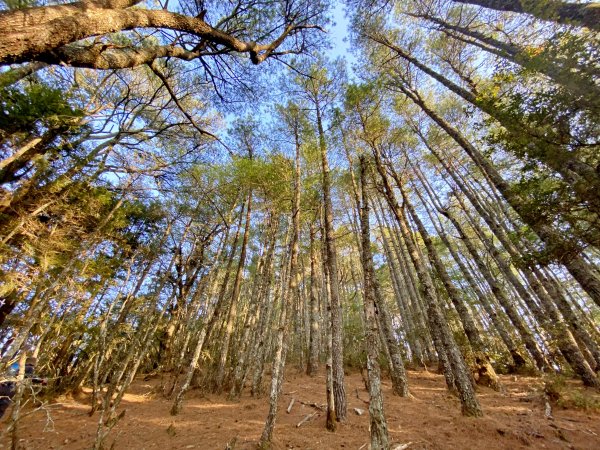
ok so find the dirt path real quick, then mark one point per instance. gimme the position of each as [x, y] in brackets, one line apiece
[431, 420]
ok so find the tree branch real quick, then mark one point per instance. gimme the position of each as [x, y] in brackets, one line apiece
[40, 33]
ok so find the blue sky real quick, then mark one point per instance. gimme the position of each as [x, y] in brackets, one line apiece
[339, 31]
[339, 37]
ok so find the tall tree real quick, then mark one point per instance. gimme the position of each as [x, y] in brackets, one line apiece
[578, 14]
[379, 434]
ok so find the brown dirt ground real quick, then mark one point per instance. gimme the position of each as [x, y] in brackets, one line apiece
[431, 420]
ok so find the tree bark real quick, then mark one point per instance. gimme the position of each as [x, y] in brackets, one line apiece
[579, 82]
[564, 13]
[518, 358]
[41, 33]
[286, 302]
[330, 419]
[408, 316]
[313, 359]
[572, 260]
[379, 433]
[438, 324]
[251, 328]
[473, 334]
[580, 176]
[334, 301]
[417, 304]
[398, 372]
[235, 295]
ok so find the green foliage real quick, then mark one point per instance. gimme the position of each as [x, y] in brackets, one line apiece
[83, 212]
[365, 103]
[36, 104]
[20, 4]
[271, 176]
[549, 126]
[568, 395]
[355, 353]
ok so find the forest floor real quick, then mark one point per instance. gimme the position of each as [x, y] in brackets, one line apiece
[431, 419]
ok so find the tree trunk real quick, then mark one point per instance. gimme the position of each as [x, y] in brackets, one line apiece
[564, 13]
[502, 297]
[438, 324]
[379, 433]
[286, 302]
[313, 359]
[547, 317]
[580, 176]
[579, 83]
[246, 347]
[334, 301]
[330, 419]
[408, 318]
[518, 358]
[572, 260]
[417, 304]
[235, 295]
[482, 360]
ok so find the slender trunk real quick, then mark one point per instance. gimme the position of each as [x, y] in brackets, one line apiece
[246, 345]
[408, 316]
[263, 342]
[575, 323]
[580, 176]
[330, 419]
[579, 83]
[571, 259]
[210, 311]
[334, 301]
[546, 314]
[518, 358]
[410, 280]
[220, 304]
[313, 360]
[502, 296]
[565, 13]
[398, 372]
[438, 324]
[482, 360]
[289, 294]
[379, 433]
[235, 295]
[129, 365]
[34, 147]
[185, 385]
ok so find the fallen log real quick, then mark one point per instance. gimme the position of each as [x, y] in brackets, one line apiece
[289, 408]
[306, 419]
